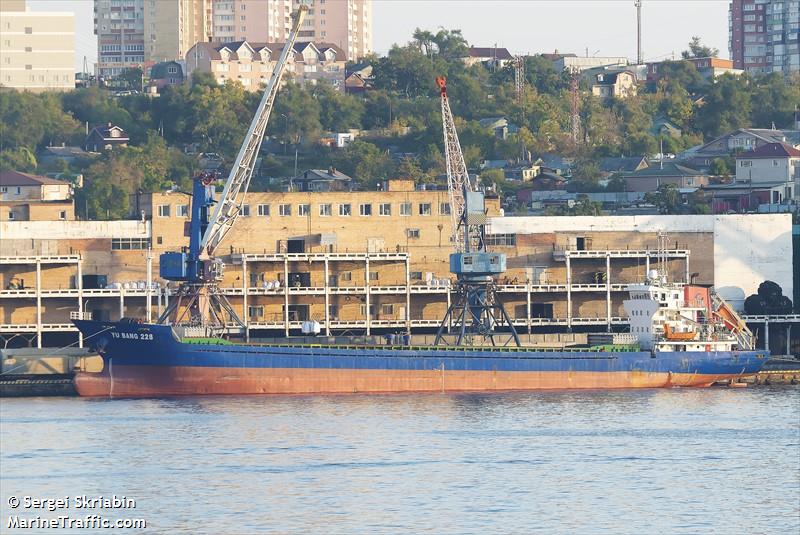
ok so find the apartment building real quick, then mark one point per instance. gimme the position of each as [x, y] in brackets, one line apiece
[37, 48]
[252, 63]
[763, 35]
[172, 27]
[119, 26]
[344, 23]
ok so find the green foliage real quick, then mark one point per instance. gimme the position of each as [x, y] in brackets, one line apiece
[667, 199]
[19, 159]
[722, 166]
[365, 162]
[698, 50]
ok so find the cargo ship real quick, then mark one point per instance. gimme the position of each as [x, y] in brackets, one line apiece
[681, 336]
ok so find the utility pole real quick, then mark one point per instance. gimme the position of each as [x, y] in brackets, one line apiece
[639, 54]
[519, 82]
[575, 118]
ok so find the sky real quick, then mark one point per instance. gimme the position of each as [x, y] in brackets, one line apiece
[603, 27]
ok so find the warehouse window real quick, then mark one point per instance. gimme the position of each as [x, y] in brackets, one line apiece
[346, 276]
[502, 240]
[412, 233]
[263, 210]
[183, 210]
[246, 210]
[129, 244]
[345, 210]
[285, 209]
[325, 210]
[365, 209]
[255, 311]
[373, 275]
[385, 209]
[304, 210]
[62, 214]
[163, 210]
[424, 208]
[444, 208]
[405, 208]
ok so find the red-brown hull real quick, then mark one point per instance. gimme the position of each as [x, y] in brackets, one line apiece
[144, 381]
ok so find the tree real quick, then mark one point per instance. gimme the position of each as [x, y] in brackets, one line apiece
[722, 167]
[365, 162]
[727, 106]
[133, 78]
[667, 199]
[19, 159]
[698, 50]
[409, 168]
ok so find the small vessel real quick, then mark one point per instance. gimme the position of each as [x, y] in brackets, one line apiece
[161, 360]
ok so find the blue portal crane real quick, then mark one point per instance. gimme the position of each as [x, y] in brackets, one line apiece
[198, 301]
[476, 309]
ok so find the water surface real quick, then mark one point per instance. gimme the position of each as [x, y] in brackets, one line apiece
[647, 461]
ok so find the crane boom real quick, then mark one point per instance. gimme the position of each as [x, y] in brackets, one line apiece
[457, 176]
[230, 203]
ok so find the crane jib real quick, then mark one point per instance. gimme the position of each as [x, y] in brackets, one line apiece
[238, 182]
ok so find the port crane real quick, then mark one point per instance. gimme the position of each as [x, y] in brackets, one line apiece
[199, 301]
[476, 309]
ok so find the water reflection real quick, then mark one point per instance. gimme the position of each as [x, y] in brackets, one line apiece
[582, 462]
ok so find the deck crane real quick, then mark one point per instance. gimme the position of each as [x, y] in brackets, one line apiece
[476, 309]
[199, 301]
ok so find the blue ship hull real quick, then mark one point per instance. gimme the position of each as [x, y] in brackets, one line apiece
[149, 360]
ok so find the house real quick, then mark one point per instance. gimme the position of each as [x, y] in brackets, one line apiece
[741, 197]
[321, 180]
[27, 197]
[743, 139]
[358, 78]
[166, 73]
[105, 138]
[338, 140]
[662, 127]
[524, 172]
[709, 68]
[491, 57]
[612, 165]
[548, 181]
[773, 163]
[50, 156]
[652, 177]
[575, 63]
[555, 163]
[493, 164]
[499, 126]
[252, 63]
[620, 84]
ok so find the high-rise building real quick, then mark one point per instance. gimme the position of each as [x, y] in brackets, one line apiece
[172, 27]
[37, 48]
[763, 35]
[119, 26]
[344, 23]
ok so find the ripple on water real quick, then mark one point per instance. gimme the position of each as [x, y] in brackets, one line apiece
[669, 461]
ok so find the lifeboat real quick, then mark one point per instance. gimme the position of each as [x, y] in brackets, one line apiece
[669, 334]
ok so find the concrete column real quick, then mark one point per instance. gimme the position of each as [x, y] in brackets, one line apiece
[766, 335]
[149, 286]
[608, 291]
[789, 339]
[327, 298]
[366, 294]
[687, 269]
[79, 284]
[160, 304]
[647, 264]
[528, 299]
[408, 295]
[121, 303]
[449, 299]
[569, 290]
[38, 303]
[286, 294]
[245, 290]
